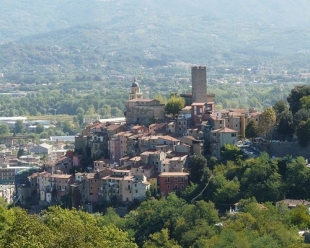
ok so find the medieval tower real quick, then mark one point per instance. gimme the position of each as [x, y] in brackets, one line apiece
[199, 84]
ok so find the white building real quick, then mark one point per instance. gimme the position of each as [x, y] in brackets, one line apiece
[7, 192]
[220, 137]
[42, 149]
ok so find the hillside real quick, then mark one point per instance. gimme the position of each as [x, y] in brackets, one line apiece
[125, 35]
[23, 18]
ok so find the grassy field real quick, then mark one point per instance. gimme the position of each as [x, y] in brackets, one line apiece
[51, 117]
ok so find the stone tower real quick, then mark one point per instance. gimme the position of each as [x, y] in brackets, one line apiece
[199, 84]
[135, 92]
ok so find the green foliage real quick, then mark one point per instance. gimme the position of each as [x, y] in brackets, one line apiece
[301, 115]
[251, 130]
[4, 129]
[286, 124]
[19, 127]
[300, 217]
[161, 239]
[230, 152]
[280, 106]
[39, 129]
[267, 120]
[197, 168]
[262, 180]
[303, 133]
[20, 152]
[174, 105]
[297, 179]
[296, 94]
[305, 102]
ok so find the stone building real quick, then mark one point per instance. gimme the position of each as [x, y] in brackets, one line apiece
[199, 84]
[199, 87]
[142, 111]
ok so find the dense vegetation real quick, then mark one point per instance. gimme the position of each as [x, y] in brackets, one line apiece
[198, 217]
[62, 40]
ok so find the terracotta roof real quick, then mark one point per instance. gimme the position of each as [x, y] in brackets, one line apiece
[136, 127]
[178, 158]
[167, 137]
[61, 176]
[113, 127]
[224, 130]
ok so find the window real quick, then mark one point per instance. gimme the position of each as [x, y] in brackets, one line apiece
[175, 179]
[220, 122]
[136, 191]
[233, 135]
[168, 186]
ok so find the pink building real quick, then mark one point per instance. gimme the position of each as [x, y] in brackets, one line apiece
[172, 181]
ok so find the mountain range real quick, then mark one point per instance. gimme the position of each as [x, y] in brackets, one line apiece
[145, 31]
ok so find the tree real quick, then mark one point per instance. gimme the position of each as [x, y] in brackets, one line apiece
[280, 106]
[161, 239]
[28, 231]
[4, 129]
[303, 133]
[296, 94]
[39, 128]
[68, 127]
[230, 152]
[19, 126]
[300, 217]
[197, 167]
[20, 152]
[160, 98]
[301, 115]
[251, 130]
[305, 102]
[261, 179]
[297, 179]
[286, 124]
[174, 105]
[267, 121]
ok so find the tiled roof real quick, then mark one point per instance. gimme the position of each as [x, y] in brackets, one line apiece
[224, 130]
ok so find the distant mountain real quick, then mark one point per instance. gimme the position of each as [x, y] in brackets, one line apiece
[20, 18]
[138, 33]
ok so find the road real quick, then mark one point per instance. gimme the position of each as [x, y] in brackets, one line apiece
[250, 152]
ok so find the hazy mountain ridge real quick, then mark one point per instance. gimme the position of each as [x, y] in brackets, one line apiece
[22, 18]
[149, 33]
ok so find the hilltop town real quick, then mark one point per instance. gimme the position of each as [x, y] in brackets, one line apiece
[122, 159]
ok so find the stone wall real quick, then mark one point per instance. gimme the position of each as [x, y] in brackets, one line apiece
[281, 149]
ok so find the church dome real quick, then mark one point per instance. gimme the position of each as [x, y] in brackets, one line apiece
[135, 84]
